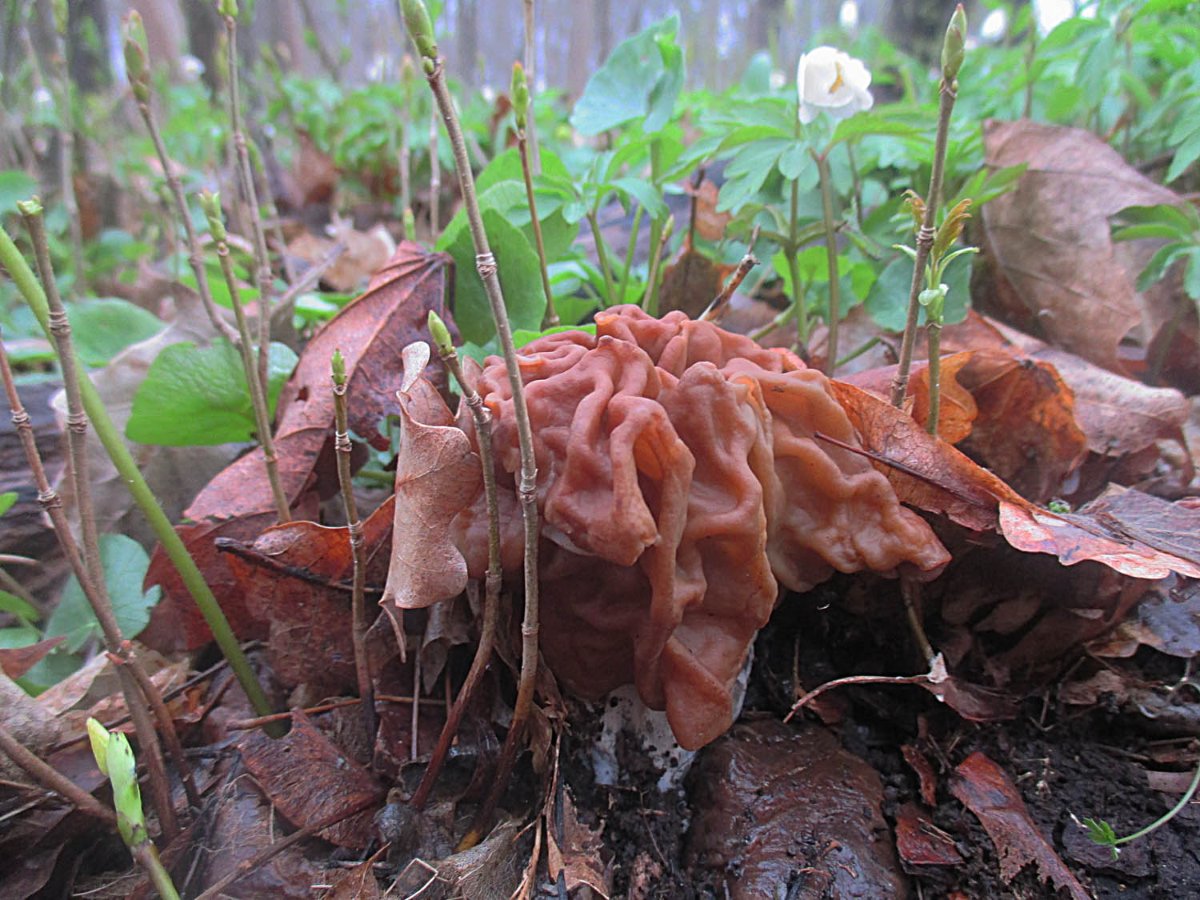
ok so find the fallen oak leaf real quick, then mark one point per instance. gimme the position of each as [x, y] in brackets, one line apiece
[16, 661]
[985, 789]
[370, 333]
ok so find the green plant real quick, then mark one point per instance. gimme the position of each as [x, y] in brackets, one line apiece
[115, 759]
[1102, 833]
[1179, 226]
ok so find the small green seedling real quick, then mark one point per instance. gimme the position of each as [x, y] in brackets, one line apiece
[115, 759]
[1103, 834]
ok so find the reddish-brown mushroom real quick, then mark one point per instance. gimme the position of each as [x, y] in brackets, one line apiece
[680, 483]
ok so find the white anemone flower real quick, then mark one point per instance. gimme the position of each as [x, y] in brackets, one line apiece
[834, 81]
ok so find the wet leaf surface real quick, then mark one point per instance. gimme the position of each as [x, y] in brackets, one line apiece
[781, 810]
[985, 789]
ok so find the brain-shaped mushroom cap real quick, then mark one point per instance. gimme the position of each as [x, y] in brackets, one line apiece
[680, 484]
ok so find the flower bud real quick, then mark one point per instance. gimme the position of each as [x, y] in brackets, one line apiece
[98, 738]
[338, 367]
[228, 8]
[954, 44]
[137, 67]
[420, 28]
[519, 93]
[440, 334]
[210, 203]
[950, 229]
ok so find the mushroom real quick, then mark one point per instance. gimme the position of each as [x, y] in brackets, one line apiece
[681, 483]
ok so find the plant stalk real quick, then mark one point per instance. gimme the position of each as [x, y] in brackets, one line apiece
[925, 236]
[630, 249]
[485, 263]
[660, 236]
[831, 254]
[550, 319]
[258, 399]
[933, 332]
[358, 549]
[491, 597]
[530, 46]
[98, 597]
[610, 286]
[127, 468]
[266, 282]
[793, 248]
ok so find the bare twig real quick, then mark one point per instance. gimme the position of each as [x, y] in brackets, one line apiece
[257, 386]
[416, 17]
[520, 99]
[491, 599]
[53, 780]
[358, 606]
[717, 308]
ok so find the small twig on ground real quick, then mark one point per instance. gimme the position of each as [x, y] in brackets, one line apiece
[717, 308]
[416, 18]
[343, 448]
[258, 387]
[245, 867]
[930, 677]
[53, 780]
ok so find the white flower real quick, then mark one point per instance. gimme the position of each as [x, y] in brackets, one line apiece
[828, 79]
[190, 67]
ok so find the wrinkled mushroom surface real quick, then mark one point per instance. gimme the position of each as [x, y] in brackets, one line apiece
[680, 485]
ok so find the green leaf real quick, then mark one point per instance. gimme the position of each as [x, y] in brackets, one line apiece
[103, 328]
[197, 396]
[863, 124]
[11, 603]
[127, 796]
[1185, 155]
[520, 277]
[521, 337]
[125, 564]
[7, 499]
[887, 303]
[1160, 262]
[637, 81]
[15, 185]
[1191, 274]
[794, 159]
[646, 194]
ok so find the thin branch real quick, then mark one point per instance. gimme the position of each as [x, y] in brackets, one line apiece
[358, 550]
[717, 307]
[53, 780]
[114, 444]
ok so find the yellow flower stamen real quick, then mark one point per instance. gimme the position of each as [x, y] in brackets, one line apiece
[837, 82]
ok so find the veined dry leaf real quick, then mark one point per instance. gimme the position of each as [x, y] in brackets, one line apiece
[1057, 271]
[237, 504]
[309, 780]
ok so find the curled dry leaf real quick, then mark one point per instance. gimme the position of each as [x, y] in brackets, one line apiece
[985, 789]
[691, 282]
[371, 332]
[1061, 275]
[437, 474]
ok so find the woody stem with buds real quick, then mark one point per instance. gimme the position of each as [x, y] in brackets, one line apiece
[420, 28]
[952, 58]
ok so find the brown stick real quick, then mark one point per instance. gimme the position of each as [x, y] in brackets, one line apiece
[53, 780]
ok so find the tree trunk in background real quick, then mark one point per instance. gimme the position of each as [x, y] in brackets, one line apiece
[603, 17]
[87, 44]
[165, 31]
[203, 27]
[466, 37]
[581, 60]
[918, 26]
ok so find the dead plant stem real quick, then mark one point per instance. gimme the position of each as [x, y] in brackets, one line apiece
[485, 263]
[53, 780]
[358, 550]
[491, 598]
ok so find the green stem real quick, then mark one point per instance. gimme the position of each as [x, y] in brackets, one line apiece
[550, 317]
[610, 287]
[629, 251]
[131, 475]
[831, 254]
[1168, 815]
[934, 335]
[925, 236]
[147, 856]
